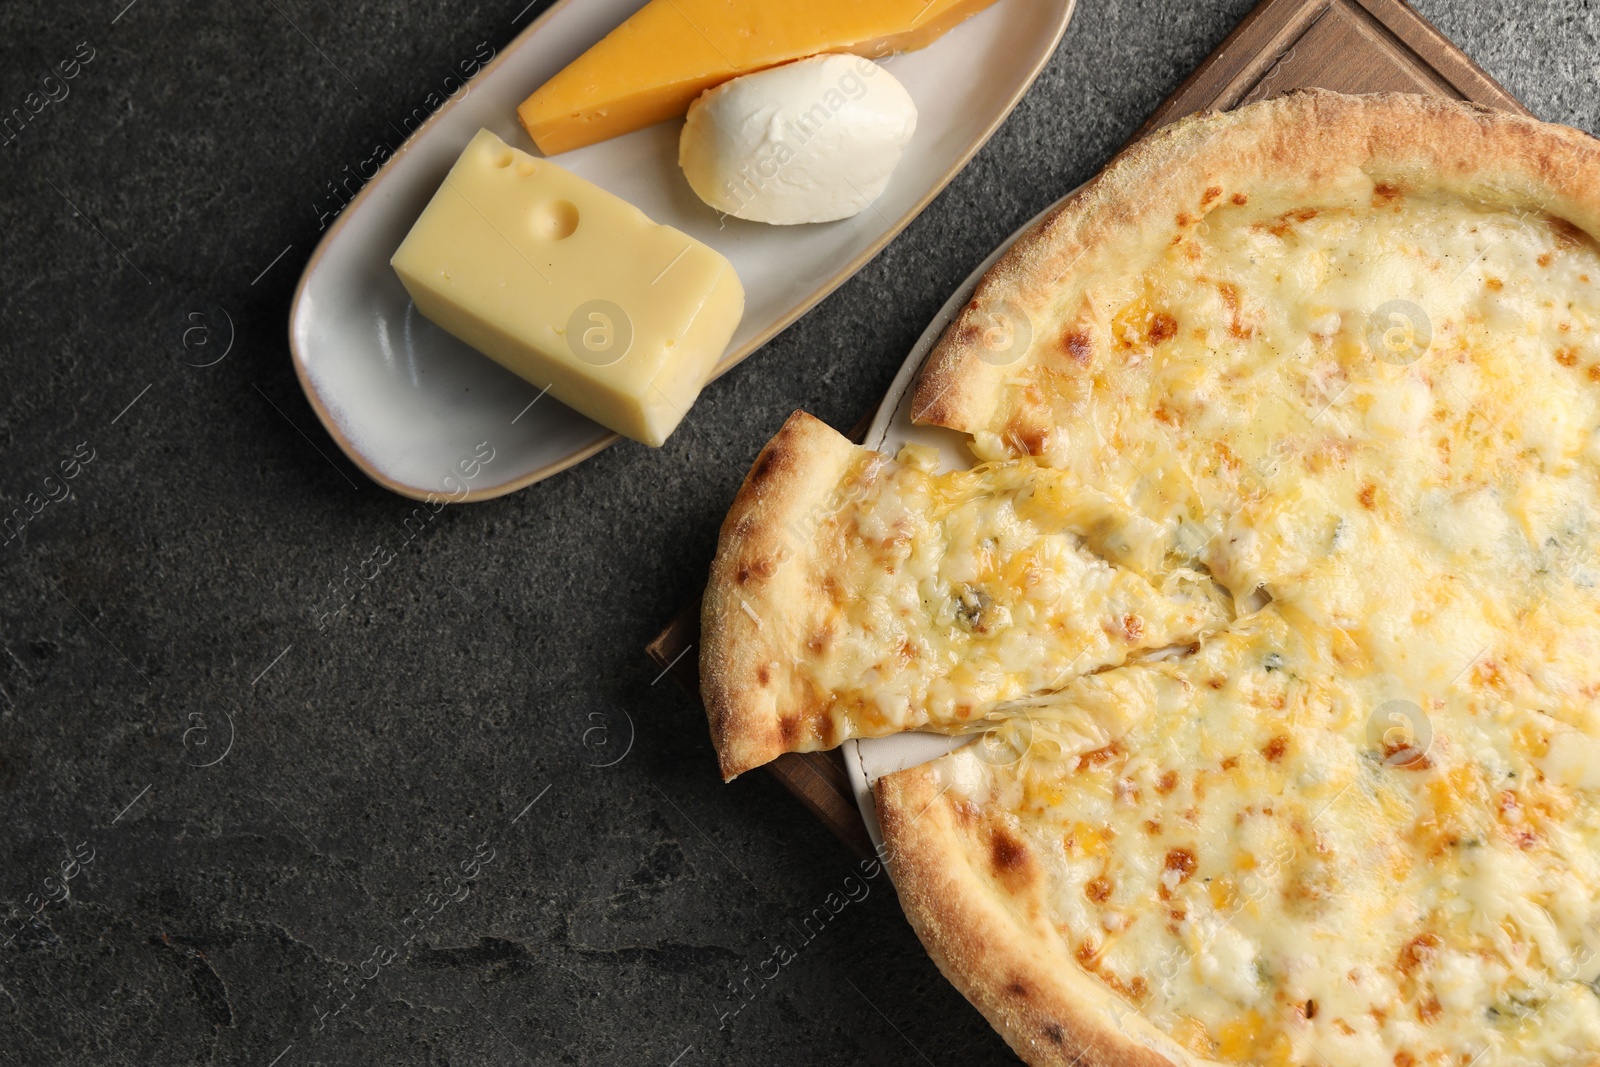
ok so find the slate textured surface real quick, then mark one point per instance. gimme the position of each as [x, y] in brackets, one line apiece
[241, 836]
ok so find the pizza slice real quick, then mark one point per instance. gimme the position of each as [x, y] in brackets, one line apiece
[858, 595]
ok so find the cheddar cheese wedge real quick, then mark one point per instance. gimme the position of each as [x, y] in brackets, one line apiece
[652, 67]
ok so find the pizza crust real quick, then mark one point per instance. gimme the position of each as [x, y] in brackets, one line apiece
[1290, 146]
[757, 580]
[989, 933]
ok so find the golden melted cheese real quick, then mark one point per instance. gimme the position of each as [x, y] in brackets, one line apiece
[946, 594]
[1359, 827]
[1259, 852]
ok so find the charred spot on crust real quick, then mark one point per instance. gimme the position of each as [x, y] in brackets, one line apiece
[1006, 853]
[772, 459]
[764, 674]
[789, 729]
[1567, 235]
[1018, 988]
[757, 568]
[1056, 1035]
[1211, 195]
[1276, 748]
[830, 730]
[1240, 199]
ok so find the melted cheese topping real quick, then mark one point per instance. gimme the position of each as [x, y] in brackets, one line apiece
[947, 594]
[1262, 854]
[1361, 826]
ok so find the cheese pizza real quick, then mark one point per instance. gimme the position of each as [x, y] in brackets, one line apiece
[856, 595]
[1324, 373]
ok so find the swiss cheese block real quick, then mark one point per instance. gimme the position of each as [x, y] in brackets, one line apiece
[572, 288]
[653, 66]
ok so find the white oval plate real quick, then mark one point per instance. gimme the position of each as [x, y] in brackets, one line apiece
[870, 758]
[417, 410]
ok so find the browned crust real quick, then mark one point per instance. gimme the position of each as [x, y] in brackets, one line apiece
[758, 586]
[1290, 145]
[975, 894]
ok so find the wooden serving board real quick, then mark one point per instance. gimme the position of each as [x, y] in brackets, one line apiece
[1353, 46]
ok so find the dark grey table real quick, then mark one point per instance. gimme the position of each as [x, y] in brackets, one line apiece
[455, 822]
